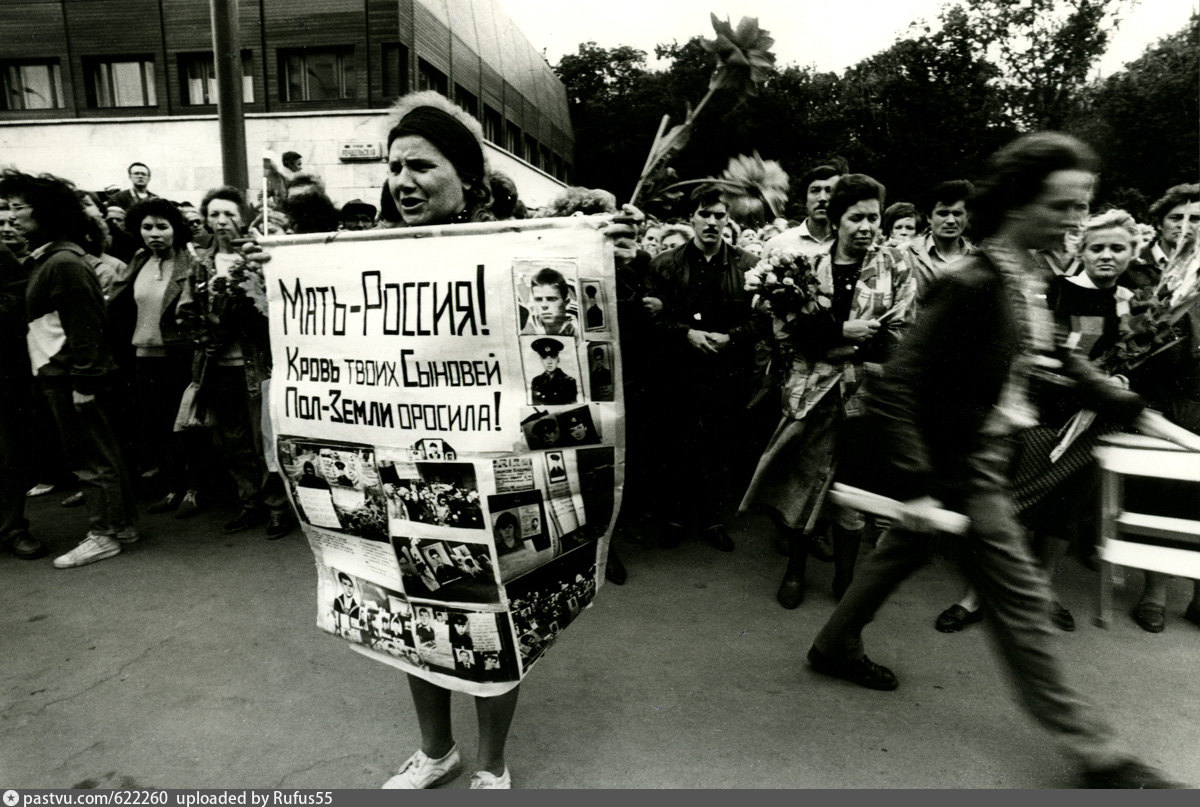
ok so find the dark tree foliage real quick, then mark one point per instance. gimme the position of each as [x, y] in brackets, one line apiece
[1144, 121]
[931, 107]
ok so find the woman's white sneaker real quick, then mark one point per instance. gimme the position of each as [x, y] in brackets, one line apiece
[96, 546]
[486, 780]
[420, 772]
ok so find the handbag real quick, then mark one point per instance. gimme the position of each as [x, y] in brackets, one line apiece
[193, 413]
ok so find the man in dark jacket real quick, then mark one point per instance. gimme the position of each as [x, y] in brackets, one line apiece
[945, 412]
[70, 355]
[707, 352]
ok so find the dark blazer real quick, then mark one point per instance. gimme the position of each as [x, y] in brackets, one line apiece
[928, 408]
[124, 198]
[122, 310]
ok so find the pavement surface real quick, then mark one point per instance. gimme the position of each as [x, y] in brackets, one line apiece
[192, 660]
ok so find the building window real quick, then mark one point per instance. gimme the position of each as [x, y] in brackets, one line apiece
[560, 168]
[491, 124]
[466, 100]
[395, 69]
[120, 82]
[512, 139]
[430, 78]
[198, 77]
[31, 85]
[317, 75]
[546, 163]
[530, 151]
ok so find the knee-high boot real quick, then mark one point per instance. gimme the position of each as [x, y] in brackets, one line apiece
[845, 554]
[791, 590]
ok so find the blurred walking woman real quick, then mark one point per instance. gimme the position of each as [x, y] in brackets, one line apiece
[158, 274]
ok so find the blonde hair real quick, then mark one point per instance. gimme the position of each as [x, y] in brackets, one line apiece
[1109, 220]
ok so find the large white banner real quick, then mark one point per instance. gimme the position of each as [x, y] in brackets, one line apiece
[448, 417]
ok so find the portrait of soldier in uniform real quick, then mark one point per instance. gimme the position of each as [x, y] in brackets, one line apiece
[552, 386]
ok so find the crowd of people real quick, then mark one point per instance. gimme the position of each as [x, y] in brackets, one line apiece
[761, 357]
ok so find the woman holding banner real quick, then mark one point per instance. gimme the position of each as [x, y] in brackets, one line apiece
[437, 175]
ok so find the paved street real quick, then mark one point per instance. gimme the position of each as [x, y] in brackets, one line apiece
[192, 661]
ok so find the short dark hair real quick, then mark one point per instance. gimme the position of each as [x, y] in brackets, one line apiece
[133, 165]
[823, 171]
[346, 577]
[164, 209]
[55, 206]
[1174, 197]
[706, 195]
[851, 189]
[551, 277]
[289, 156]
[897, 211]
[229, 194]
[1017, 175]
[948, 193]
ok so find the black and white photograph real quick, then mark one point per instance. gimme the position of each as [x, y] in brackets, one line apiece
[520, 531]
[335, 486]
[600, 371]
[447, 571]
[346, 606]
[552, 370]
[593, 306]
[546, 600]
[565, 429]
[444, 494]
[810, 391]
[547, 299]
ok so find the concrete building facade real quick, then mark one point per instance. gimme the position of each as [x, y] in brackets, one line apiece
[88, 86]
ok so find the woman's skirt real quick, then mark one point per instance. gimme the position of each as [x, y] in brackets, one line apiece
[795, 464]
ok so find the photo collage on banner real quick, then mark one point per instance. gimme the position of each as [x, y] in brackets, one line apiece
[452, 438]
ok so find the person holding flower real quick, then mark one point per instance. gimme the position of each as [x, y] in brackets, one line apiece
[832, 319]
[234, 361]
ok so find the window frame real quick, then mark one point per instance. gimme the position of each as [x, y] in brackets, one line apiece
[345, 66]
[185, 60]
[9, 91]
[101, 68]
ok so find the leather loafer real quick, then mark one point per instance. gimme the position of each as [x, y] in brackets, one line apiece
[861, 671]
[719, 538]
[243, 521]
[1150, 616]
[791, 591]
[24, 546]
[955, 618]
[1061, 617]
[279, 524]
[166, 504]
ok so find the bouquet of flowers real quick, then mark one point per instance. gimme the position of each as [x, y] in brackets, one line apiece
[796, 361]
[787, 289]
[1150, 327]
